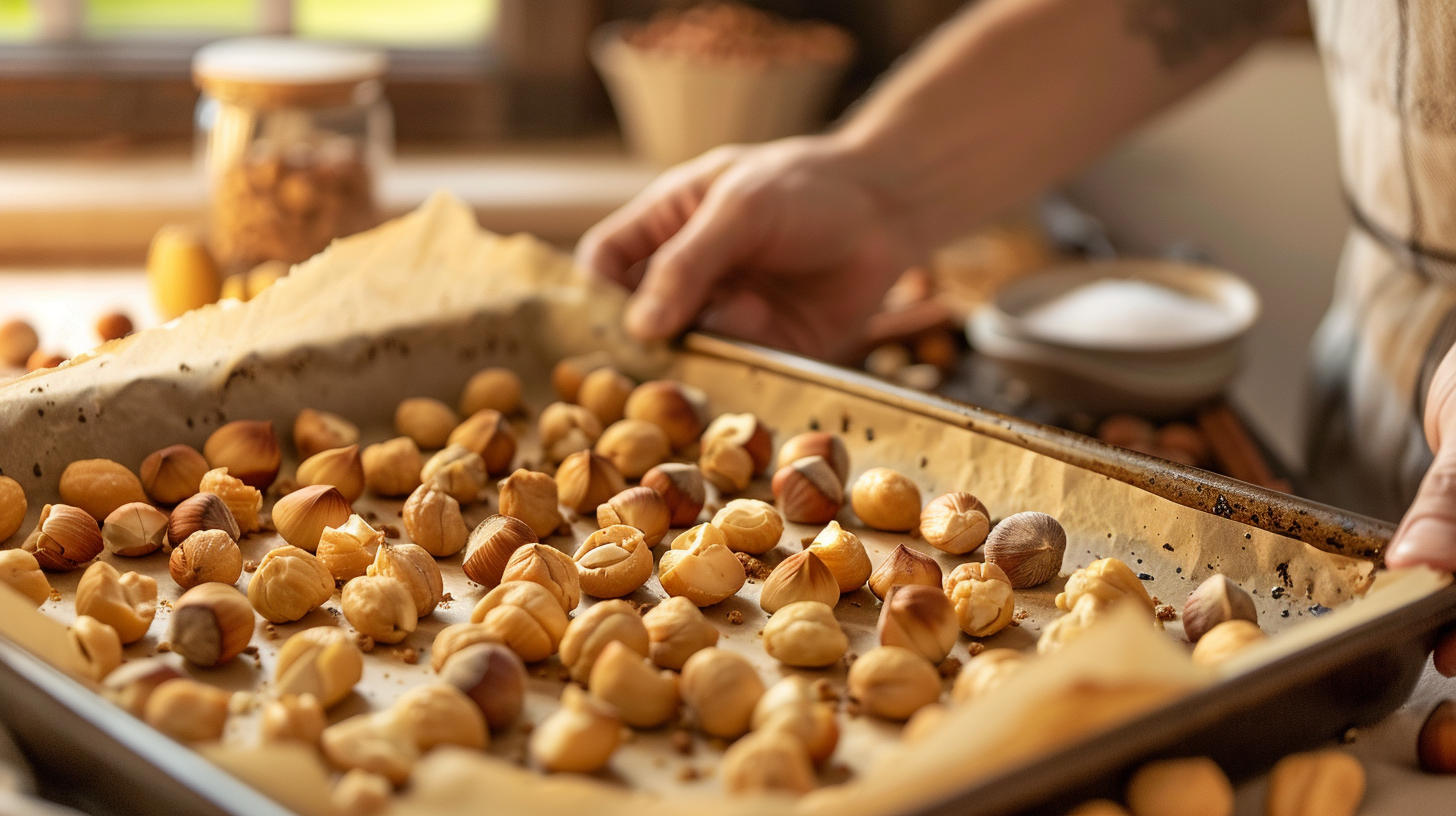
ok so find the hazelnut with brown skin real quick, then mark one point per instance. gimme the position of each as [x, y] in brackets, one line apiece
[570, 372]
[919, 618]
[317, 431]
[585, 480]
[488, 434]
[808, 491]
[426, 420]
[1436, 746]
[18, 341]
[248, 449]
[566, 429]
[1216, 600]
[64, 538]
[904, 567]
[302, 515]
[498, 389]
[802, 576]
[746, 432]
[491, 546]
[173, 473]
[817, 443]
[633, 446]
[590, 632]
[493, 677]
[886, 499]
[1028, 547]
[675, 408]
[99, 486]
[204, 511]
[133, 530]
[604, 393]
[677, 630]
[392, 468]
[681, 486]
[113, 326]
[956, 523]
[211, 624]
[639, 507]
[531, 497]
[340, 468]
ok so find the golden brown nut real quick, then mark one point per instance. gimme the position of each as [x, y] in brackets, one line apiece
[844, 555]
[373, 743]
[639, 507]
[585, 480]
[893, 683]
[633, 446]
[681, 486]
[986, 671]
[1109, 581]
[207, 556]
[98, 646]
[1216, 600]
[459, 636]
[726, 466]
[412, 566]
[1436, 746]
[487, 433]
[1073, 625]
[566, 429]
[134, 530]
[614, 561]
[99, 486]
[744, 431]
[982, 597]
[767, 762]
[590, 632]
[204, 511]
[132, 684]
[64, 538]
[904, 567]
[18, 341]
[886, 499]
[677, 630]
[700, 567]
[173, 473]
[793, 705]
[21, 571]
[523, 616]
[459, 472]
[604, 392]
[344, 551]
[392, 468]
[491, 546]
[956, 523]
[361, 793]
[749, 526]
[802, 576]
[578, 737]
[532, 498]
[317, 431]
[721, 688]
[919, 618]
[493, 677]
[210, 625]
[676, 408]
[433, 520]
[242, 501]
[188, 711]
[817, 443]
[288, 584]
[426, 420]
[498, 389]
[12, 507]
[340, 467]
[808, 491]
[549, 567]
[1180, 787]
[569, 373]
[323, 662]
[1028, 547]
[43, 359]
[1226, 640]
[302, 515]
[439, 714]
[927, 720]
[380, 608]
[643, 695]
[293, 718]
[1317, 783]
[126, 603]
[113, 326]
[248, 449]
[805, 634]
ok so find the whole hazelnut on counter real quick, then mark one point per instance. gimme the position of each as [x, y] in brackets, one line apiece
[614, 561]
[339, 467]
[893, 683]
[487, 433]
[523, 616]
[633, 446]
[439, 714]
[676, 630]
[721, 689]
[173, 473]
[302, 515]
[604, 392]
[132, 684]
[344, 551]
[817, 443]
[412, 566]
[20, 571]
[566, 429]
[802, 576]
[749, 526]
[18, 341]
[1436, 746]
[288, 584]
[493, 677]
[433, 521]
[12, 507]
[1195, 786]
[459, 636]
[745, 432]
[793, 705]
[113, 326]
[188, 711]
[644, 695]
[1226, 640]
[570, 372]
[700, 567]
[426, 420]
[767, 762]
[986, 671]
[206, 556]
[844, 555]
[64, 538]
[392, 468]
[956, 523]
[639, 507]
[1109, 581]
[726, 466]
[919, 618]
[904, 567]
[134, 530]
[982, 597]
[242, 501]
[676, 408]
[681, 486]
[808, 491]
[1328, 783]
[323, 662]
[805, 634]
[204, 511]
[1216, 600]
[498, 389]
[317, 431]
[248, 449]
[1028, 547]
[578, 737]
[551, 568]
[373, 744]
[886, 499]
[456, 471]
[928, 719]
[531, 497]
[293, 718]
[585, 480]
[96, 644]
[590, 632]
[126, 603]
[380, 608]
[99, 486]
[211, 624]
[491, 545]
[41, 359]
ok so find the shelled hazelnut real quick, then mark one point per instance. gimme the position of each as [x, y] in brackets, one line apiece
[1110, 581]
[904, 567]
[244, 502]
[925, 722]
[767, 762]
[380, 608]
[97, 644]
[1216, 600]
[99, 486]
[531, 497]
[614, 561]
[302, 515]
[982, 596]
[1028, 547]
[1436, 746]
[414, 568]
[433, 520]
[204, 511]
[579, 737]
[793, 705]
[604, 392]
[644, 695]
[323, 662]
[893, 683]
[919, 618]
[590, 632]
[1226, 640]
[372, 743]
[802, 576]
[746, 432]
[392, 468]
[340, 468]
[749, 526]
[13, 507]
[293, 718]
[493, 677]
[639, 507]
[20, 571]
[1088, 610]
[1316, 783]
[676, 408]
[288, 584]
[844, 555]
[188, 711]
[439, 714]
[133, 530]
[460, 636]
[211, 624]
[1195, 785]
[986, 671]
[344, 551]
[491, 545]
[569, 373]
[805, 634]
[497, 389]
[565, 429]
[361, 793]
[18, 341]
[808, 491]
[727, 466]
[681, 486]
[549, 567]
[64, 538]
[317, 431]
[173, 473]
[676, 630]
[248, 449]
[487, 433]
[700, 567]
[721, 689]
[457, 471]
[886, 499]
[132, 684]
[521, 615]
[126, 603]
[585, 480]
[633, 446]
[817, 443]
[956, 523]
[426, 420]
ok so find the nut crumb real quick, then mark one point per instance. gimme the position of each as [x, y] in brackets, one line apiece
[1166, 612]
[975, 648]
[446, 598]
[852, 708]
[849, 658]
[735, 617]
[826, 691]
[1020, 615]
[645, 608]
[162, 604]
[270, 631]
[364, 642]
[389, 530]
[55, 594]
[250, 650]
[250, 565]
[682, 742]
[687, 773]
[756, 569]
[949, 667]
[164, 647]
[371, 516]
[408, 654]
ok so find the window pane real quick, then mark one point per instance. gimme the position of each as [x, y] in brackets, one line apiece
[16, 20]
[418, 23]
[110, 17]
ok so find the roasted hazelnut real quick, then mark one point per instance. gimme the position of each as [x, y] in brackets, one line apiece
[749, 526]
[392, 468]
[644, 695]
[676, 630]
[498, 389]
[521, 615]
[767, 762]
[488, 434]
[242, 501]
[604, 392]
[919, 618]
[1216, 600]
[744, 431]
[339, 467]
[614, 561]
[569, 373]
[886, 499]
[793, 705]
[1028, 547]
[844, 555]
[426, 420]
[113, 326]
[639, 507]
[99, 486]
[361, 793]
[439, 714]
[302, 515]
[317, 431]
[720, 688]
[634, 446]
[700, 567]
[173, 473]
[986, 671]
[566, 429]
[414, 569]
[1436, 746]
[323, 662]
[20, 571]
[132, 684]
[589, 633]
[41, 359]
[802, 576]
[727, 466]
[204, 511]
[532, 498]
[380, 608]
[681, 486]
[12, 507]
[956, 523]
[459, 636]
[1226, 640]
[1317, 783]
[134, 530]
[926, 721]
[808, 491]
[372, 743]
[458, 472]
[893, 683]
[1088, 610]
[817, 443]
[578, 737]
[248, 449]
[805, 634]
[344, 551]
[64, 538]
[676, 408]
[1180, 787]
[904, 567]
[97, 645]
[188, 711]
[982, 597]
[126, 603]
[491, 546]
[211, 624]
[288, 584]
[433, 520]
[549, 567]
[18, 341]
[1109, 580]
[585, 480]
[293, 718]
[493, 677]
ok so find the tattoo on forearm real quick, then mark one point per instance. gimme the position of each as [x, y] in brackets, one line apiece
[1182, 30]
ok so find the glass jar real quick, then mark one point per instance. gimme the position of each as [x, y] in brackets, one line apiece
[291, 136]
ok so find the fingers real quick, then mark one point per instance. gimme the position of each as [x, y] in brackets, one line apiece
[1427, 534]
[1445, 655]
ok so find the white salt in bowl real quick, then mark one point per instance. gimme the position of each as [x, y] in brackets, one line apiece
[1153, 337]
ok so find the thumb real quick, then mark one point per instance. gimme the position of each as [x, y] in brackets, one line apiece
[1427, 534]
